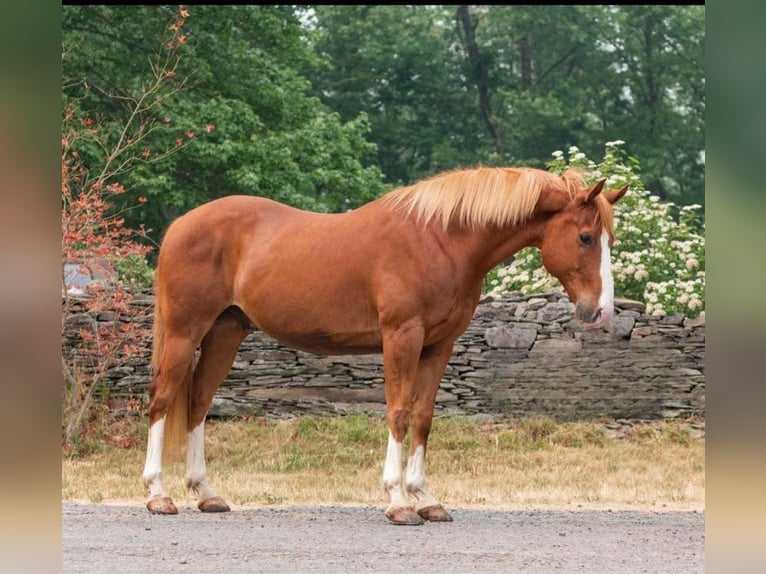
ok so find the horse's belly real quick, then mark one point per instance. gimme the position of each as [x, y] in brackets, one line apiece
[319, 327]
[325, 343]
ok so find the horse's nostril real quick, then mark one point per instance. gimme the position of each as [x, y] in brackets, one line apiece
[596, 317]
[589, 315]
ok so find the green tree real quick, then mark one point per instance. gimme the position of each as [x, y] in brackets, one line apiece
[402, 66]
[448, 86]
[657, 57]
[538, 59]
[242, 112]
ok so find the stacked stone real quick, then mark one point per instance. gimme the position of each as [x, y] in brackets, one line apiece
[521, 355]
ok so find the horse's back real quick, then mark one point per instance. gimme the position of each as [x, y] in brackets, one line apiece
[231, 212]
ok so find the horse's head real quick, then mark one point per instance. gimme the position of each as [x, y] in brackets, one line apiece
[576, 248]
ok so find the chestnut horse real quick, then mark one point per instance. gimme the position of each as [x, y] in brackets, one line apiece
[401, 275]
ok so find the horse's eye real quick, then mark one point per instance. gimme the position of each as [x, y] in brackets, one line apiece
[586, 239]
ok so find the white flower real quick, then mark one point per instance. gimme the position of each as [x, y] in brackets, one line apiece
[615, 179]
[683, 298]
[579, 155]
[692, 263]
[695, 304]
[573, 149]
[641, 274]
[615, 143]
[654, 199]
[558, 154]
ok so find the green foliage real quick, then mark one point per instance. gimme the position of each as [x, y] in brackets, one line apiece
[659, 251]
[238, 110]
[134, 270]
[315, 105]
[552, 76]
[401, 66]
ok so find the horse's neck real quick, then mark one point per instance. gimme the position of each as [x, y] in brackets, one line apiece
[488, 247]
[491, 246]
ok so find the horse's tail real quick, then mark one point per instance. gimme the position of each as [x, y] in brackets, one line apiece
[177, 418]
[157, 335]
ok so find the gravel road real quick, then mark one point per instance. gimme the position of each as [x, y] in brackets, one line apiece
[116, 539]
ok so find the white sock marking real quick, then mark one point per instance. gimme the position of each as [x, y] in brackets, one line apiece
[392, 473]
[153, 467]
[606, 300]
[416, 469]
[416, 479]
[196, 473]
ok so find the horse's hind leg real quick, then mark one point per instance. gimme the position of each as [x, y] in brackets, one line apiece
[430, 370]
[170, 379]
[219, 348]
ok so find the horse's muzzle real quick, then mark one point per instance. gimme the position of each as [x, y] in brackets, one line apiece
[592, 318]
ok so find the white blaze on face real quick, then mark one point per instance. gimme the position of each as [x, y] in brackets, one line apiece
[606, 300]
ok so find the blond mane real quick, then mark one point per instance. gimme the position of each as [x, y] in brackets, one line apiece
[474, 197]
[488, 196]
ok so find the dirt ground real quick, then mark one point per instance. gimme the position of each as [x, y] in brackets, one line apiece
[124, 539]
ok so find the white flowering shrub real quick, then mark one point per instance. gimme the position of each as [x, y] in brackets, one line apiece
[659, 250]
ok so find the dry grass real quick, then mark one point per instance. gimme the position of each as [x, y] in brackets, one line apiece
[339, 461]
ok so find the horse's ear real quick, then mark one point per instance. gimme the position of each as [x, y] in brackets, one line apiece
[614, 195]
[590, 193]
[553, 201]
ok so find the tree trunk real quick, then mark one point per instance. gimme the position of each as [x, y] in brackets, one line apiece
[526, 64]
[479, 69]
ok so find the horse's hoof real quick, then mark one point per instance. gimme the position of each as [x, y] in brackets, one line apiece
[161, 505]
[435, 514]
[215, 504]
[404, 515]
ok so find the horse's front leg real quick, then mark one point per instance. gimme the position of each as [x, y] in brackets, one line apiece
[401, 352]
[430, 370]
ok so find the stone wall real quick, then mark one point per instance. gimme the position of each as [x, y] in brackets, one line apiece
[521, 356]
